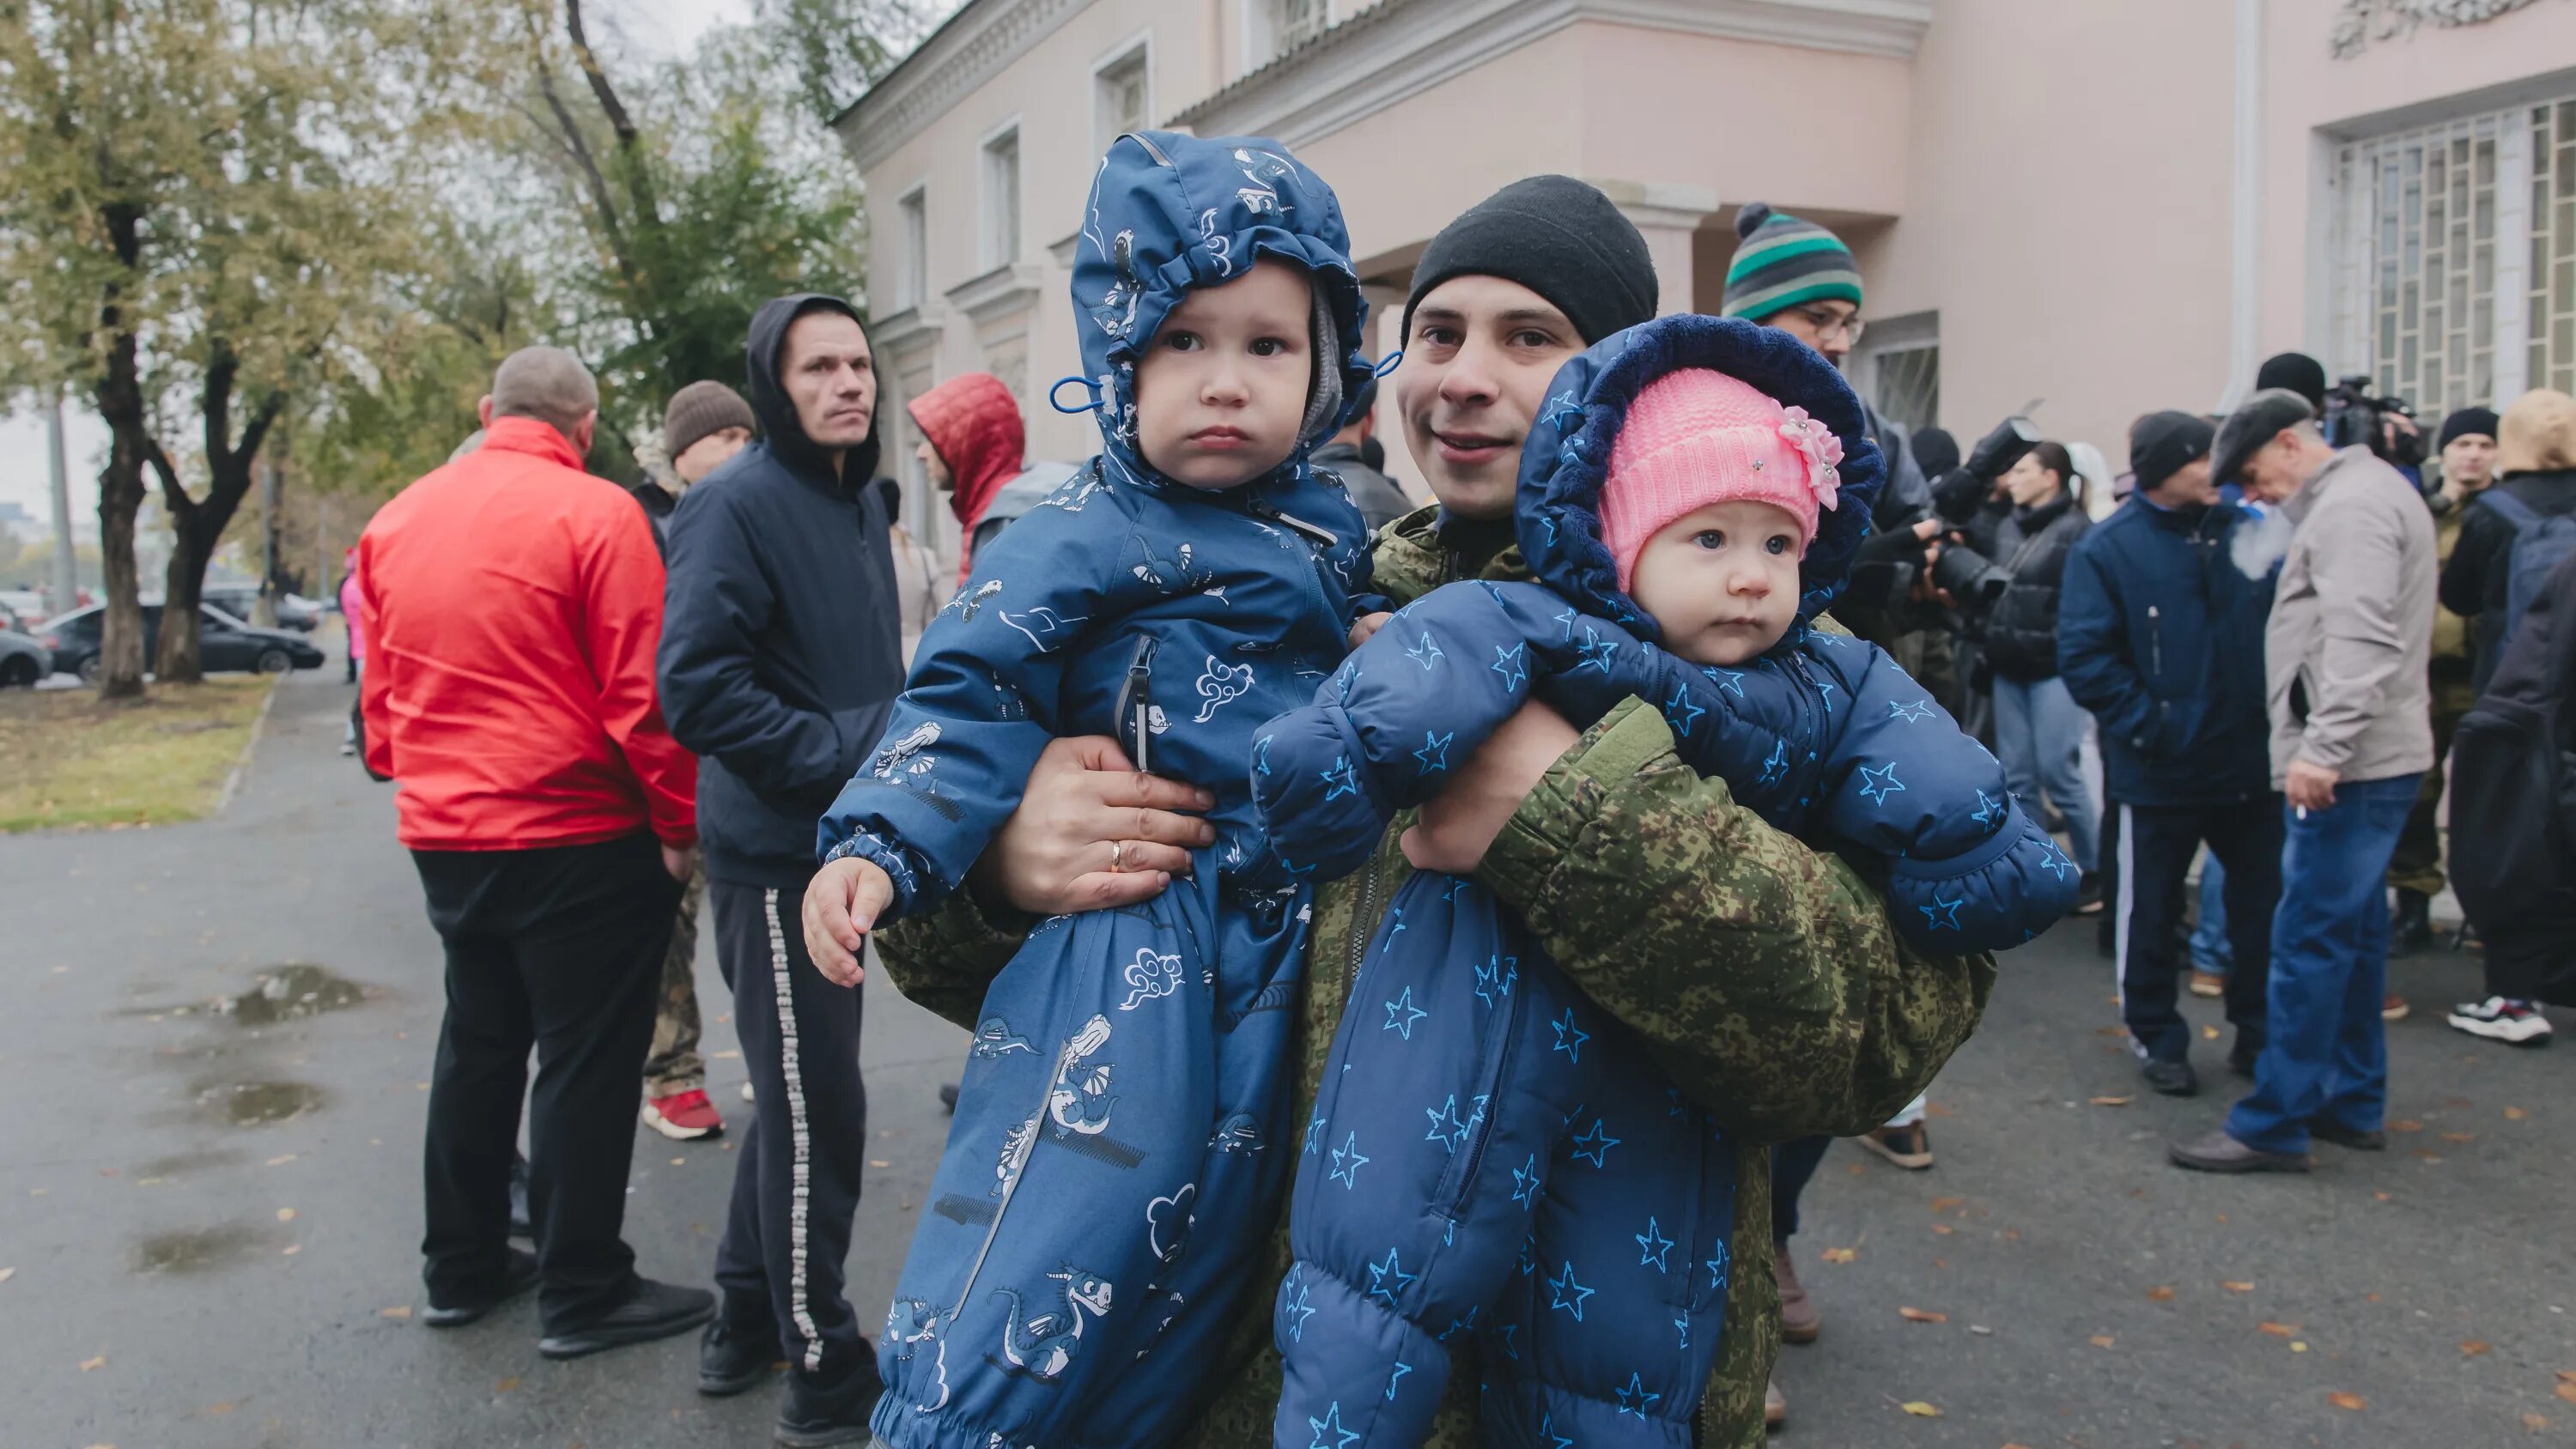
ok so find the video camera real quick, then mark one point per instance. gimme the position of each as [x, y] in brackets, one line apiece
[2354, 416]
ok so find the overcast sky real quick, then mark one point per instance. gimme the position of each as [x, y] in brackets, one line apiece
[676, 23]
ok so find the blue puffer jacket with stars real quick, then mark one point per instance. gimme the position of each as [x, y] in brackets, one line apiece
[1565, 1204]
[1120, 1138]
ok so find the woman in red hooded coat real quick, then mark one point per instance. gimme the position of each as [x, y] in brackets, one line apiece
[972, 444]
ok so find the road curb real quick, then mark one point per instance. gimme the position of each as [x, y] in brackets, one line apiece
[241, 767]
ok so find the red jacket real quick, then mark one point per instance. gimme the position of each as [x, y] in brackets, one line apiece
[973, 423]
[512, 604]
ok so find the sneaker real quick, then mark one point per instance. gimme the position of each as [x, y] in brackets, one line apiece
[2393, 1007]
[1775, 1408]
[746, 1091]
[2173, 1079]
[2088, 894]
[2500, 1018]
[348, 747]
[2208, 983]
[1909, 1147]
[817, 1413]
[518, 1275]
[655, 1310]
[683, 1116]
[1800, 1321]
[737, 1352]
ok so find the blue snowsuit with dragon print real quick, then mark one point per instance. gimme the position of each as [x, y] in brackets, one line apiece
[1491, 1153]
[1119, 1146]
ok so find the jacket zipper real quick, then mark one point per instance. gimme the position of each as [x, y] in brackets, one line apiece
[2156, 640]
[1362, 925]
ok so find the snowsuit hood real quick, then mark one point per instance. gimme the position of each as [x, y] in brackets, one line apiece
[1168, 213]
[1567, 457]
[973, 422]
[779, 425]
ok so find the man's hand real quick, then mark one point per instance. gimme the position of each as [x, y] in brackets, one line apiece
[2310, 786]
[1091, 832]
[676, 861]
[1454, 831]
[841, 907]
[1368, 626]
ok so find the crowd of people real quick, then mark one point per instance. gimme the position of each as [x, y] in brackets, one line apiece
[1656, 730]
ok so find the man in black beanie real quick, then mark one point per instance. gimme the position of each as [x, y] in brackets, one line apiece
[2294, 372]
[1653, 924]
[2155, 620]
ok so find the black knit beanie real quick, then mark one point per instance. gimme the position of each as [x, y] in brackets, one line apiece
[1557, 236]
[2296, 372]
[2467, 421]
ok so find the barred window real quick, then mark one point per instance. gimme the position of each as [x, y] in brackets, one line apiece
[2455, 258]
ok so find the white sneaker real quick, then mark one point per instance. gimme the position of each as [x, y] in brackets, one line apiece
[2501, 1019]
[746, 1091]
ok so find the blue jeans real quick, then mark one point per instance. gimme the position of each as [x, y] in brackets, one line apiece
[2326, 1055]
[2209, 949]
[2039, 736]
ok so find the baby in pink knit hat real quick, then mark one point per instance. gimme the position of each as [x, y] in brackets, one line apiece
[1711, 500]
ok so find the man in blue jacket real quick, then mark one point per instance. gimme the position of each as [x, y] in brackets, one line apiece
[2159, 634]
[781, 657]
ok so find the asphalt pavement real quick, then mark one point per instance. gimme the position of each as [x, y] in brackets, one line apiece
[217, 1038]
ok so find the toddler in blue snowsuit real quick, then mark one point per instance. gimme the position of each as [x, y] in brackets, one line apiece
[1690, 499]
[1119, 1139]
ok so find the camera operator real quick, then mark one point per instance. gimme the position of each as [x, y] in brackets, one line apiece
[2039, 729]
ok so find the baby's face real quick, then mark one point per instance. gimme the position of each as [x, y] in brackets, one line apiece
[1221, 390]
[1722, 581]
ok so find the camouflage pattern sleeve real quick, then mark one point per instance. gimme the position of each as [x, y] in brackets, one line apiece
[1764, 976]
[946, 960]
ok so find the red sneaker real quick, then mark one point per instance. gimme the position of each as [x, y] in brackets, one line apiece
[683, 1116]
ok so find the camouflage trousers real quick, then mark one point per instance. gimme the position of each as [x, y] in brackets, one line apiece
[674, 1065]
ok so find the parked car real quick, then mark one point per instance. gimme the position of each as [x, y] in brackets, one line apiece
[20, 609]
[23, 661]
[294, 611]
[225, 644]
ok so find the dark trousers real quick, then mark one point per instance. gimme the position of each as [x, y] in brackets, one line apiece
[796, 1185]
[556, 949]
[2328, 1053]
[1793, 1164]
[2156, 847]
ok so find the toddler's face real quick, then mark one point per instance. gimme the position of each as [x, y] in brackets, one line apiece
[1221, 390]
[1721, 581]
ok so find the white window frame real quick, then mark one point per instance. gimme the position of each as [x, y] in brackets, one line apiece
[1137, 49]
[912, 260]
[1000, 242]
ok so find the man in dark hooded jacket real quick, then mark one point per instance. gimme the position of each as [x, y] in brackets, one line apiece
[781, 656]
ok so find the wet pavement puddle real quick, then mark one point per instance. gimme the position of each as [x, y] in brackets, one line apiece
[196, 1250]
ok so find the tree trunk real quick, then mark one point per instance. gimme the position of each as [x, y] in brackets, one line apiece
[198, 524]
[120, 494]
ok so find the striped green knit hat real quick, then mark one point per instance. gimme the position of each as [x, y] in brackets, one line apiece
[1782, 262]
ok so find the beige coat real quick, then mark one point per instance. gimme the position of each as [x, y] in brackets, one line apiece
[2352, 625]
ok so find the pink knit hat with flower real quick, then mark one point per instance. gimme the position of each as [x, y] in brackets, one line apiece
[1696, 436]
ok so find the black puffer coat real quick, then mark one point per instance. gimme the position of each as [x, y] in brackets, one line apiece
[2021, 630]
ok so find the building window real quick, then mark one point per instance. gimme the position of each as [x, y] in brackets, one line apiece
[1122, 97]
[2455, 279]
[1002, 200]
[1898, 368]
[1272, 28]
[913, 280]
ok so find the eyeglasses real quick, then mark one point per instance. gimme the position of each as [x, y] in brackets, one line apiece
[1828, 323]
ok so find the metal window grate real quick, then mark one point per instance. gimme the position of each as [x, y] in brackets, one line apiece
[1295, 22]
[2455, 266]
[1906, 387]
[2552, 272]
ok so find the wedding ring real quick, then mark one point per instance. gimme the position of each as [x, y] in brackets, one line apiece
[1117, 856]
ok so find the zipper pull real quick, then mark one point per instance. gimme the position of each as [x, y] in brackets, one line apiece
[1316, 534]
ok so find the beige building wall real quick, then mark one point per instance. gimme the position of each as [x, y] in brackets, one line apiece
[2047, 190]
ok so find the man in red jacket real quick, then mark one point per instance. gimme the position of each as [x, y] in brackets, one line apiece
[512, 604]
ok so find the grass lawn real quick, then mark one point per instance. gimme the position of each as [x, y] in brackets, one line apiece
[66, 759]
